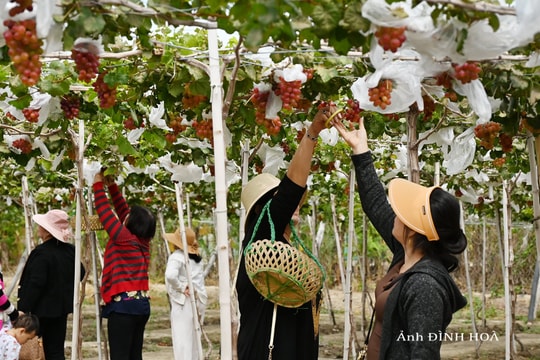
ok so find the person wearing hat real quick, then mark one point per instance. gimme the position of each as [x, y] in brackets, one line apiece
[186, 342]
[124, 280]
[417, 297]
[46, 287]
[295, 329]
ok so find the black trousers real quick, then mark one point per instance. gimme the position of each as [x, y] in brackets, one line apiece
[126, 334]
[53, 332]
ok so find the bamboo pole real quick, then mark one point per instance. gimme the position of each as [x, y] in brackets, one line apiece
[347, 286]
[75, 335]
[28, 236]
[509, 343]
[221, 196]
[163, 231]
[182, 227]
[91, 235]
[235, 322]
[338, 240]
[470, 293]
[27, 215]
[533, 148]
[188, 211]
[484, 261]
[363, 275]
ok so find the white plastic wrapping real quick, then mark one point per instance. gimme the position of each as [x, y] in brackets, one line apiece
[477, 97]
[461, 153]
[406, 77]
[272, 158]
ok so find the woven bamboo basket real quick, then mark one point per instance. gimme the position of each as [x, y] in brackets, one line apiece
[93, 220]
[282, 273]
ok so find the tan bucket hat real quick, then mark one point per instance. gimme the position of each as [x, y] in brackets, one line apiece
[176, 239]
[56, 222]
[256, 188]
[410, 202]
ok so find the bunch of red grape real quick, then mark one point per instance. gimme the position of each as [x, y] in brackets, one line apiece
[445, 80]
[170, 137]
[272, 126]
[289, 92]
[31, 115]
[21, 7]
[323, 104]
[24, 49]
[86, 63]
[259, 100]
[487, 133]
[381, 94]
[285, 147]
[129, 123]
[391, 38]
[499, 162]
[467, 72]
[506, 142]
[352, 111]
[175, 123]
[23, 145]
[106, 94]
[70, 105]
[204, 129]
[309, 73]
[190, 101]
[429, 107]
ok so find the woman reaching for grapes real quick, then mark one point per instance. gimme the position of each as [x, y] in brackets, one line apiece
[295, 329]
[416, 299]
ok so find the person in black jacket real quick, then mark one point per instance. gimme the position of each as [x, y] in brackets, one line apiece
[296, 329]
[47, 283]
[415, 300]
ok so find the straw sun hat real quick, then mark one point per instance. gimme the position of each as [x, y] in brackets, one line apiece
[56, 223]
[410, 202]
[256, 188]
[176, 239]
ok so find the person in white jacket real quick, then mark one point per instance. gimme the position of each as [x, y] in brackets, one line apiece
[186, 341]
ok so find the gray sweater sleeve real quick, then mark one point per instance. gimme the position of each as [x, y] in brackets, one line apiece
[374, 201]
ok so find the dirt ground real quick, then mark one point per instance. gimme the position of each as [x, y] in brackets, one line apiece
[461, 345]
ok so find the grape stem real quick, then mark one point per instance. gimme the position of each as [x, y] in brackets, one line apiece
[327, 123]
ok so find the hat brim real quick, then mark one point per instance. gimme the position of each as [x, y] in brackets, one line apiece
[175, 238]
[257, 188]
[41, 220]
[410, 202]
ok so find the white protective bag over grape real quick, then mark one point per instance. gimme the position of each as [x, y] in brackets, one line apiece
[405, 75]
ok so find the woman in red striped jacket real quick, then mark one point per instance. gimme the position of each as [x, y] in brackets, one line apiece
[124, 282]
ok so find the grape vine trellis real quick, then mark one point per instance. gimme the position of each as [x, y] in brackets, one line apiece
[153, 61]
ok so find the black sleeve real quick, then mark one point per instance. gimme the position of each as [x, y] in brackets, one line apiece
[374, 201]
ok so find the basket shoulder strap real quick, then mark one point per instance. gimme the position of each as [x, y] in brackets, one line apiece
[265, 210]
[298, 242]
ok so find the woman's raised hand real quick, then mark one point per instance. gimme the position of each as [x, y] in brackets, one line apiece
[357, 139]
[321, 119]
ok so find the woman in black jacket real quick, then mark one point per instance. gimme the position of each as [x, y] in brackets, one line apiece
[47, 283]
[295, 329]
[415, 300]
